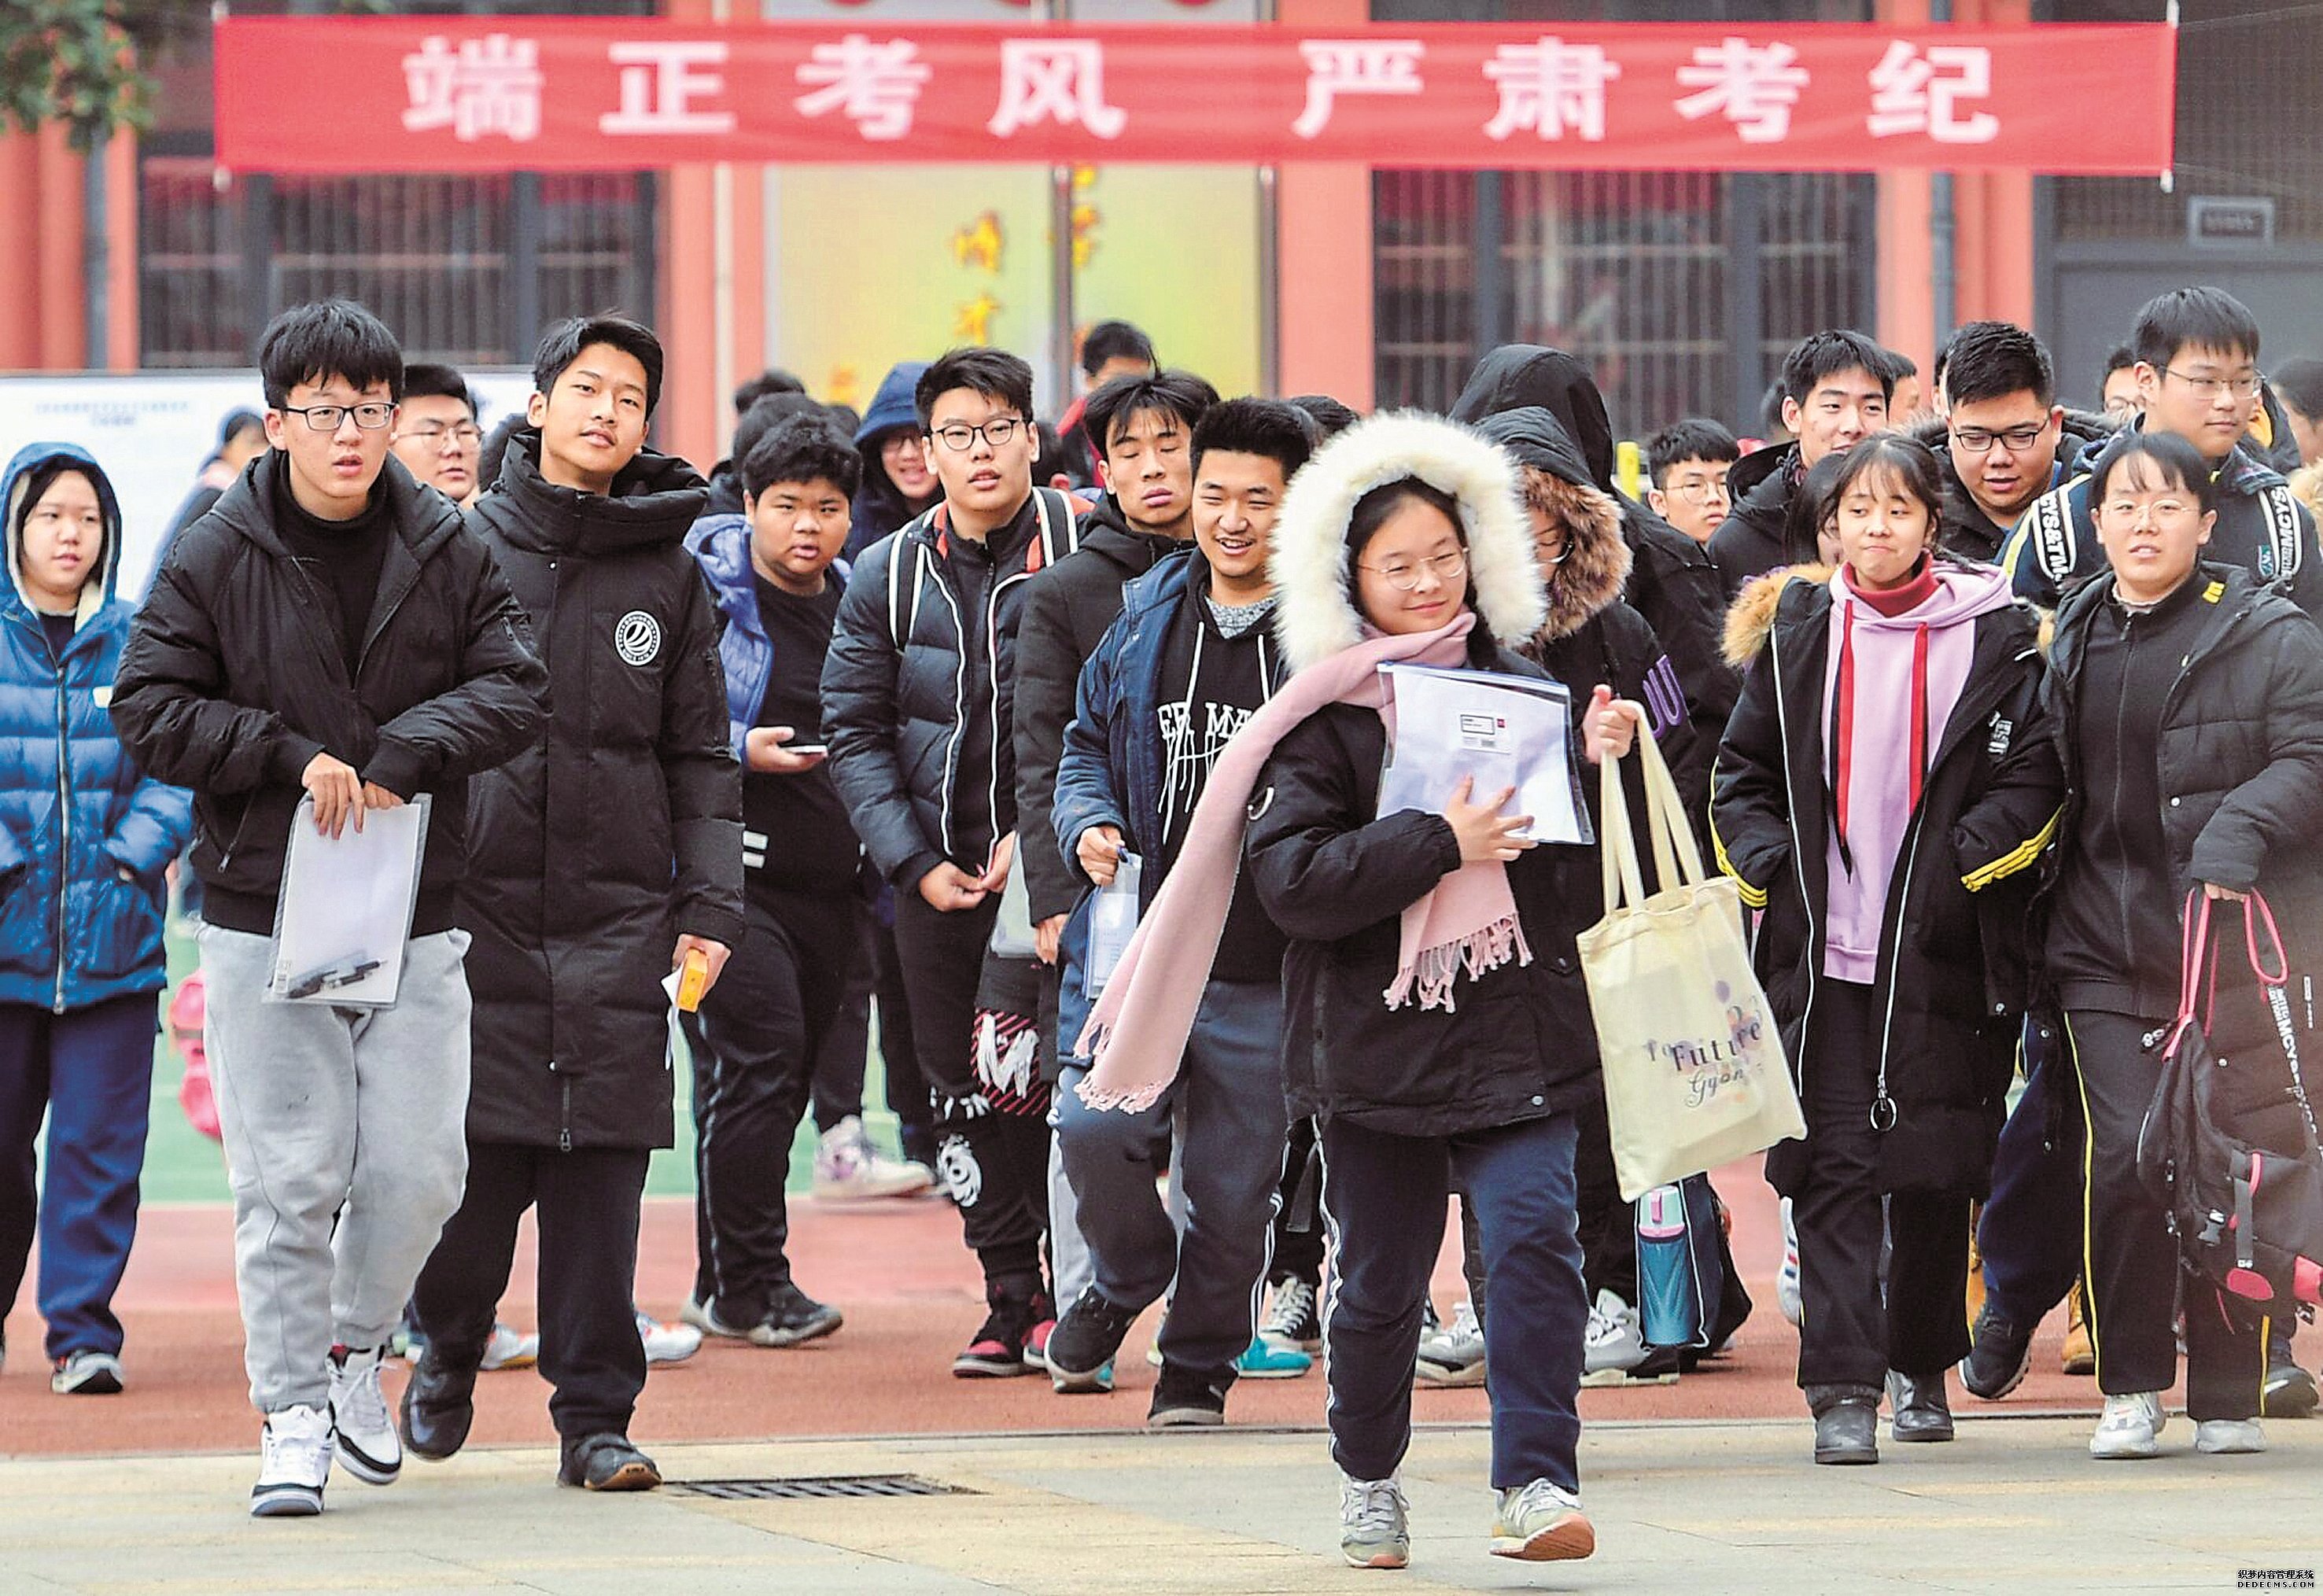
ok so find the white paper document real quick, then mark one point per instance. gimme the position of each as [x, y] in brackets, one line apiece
[1503, 730]
[345, 908]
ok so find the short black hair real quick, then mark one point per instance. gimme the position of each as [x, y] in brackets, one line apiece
[1694, 438]
[2176, 456]
[1273, 429]
[766, 413]
[1824, 354]
[2203, 318]
[2299, 386]
[328, 338]
[773, 379]
[994, 373]
[1899, 364]
[1326, 412]
[1114, 340]
[1770, 410]
[802, 449]
[562, 345]
[1370, 512]
[1952, 342]
[1180, 394]
[428, 380]
[1990, 360]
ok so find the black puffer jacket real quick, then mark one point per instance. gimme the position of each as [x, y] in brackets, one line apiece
[1067, 609]
[1753, 538]
[918, 700]
[1337, 880]
[618, 829]
[1954, 966]
[1672, 582]
[233, 678]
[1968, 533]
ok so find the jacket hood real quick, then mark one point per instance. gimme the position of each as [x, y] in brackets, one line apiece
[16, 479]
[1751, 616]
[1596, 564]
[1317, 617]
[655, 498]
[1756, 466]
[721, 545]
[1963, 592]
[891, 407]
[1515, 375]
[1107, 531]
[422, 516]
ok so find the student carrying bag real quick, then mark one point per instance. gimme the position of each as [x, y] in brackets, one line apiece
[1694, 1065]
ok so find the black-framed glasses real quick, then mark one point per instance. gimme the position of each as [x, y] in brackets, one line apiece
[437, 437]
[371, 417]
[2210, 388]
[1405, 579]
[1978, 440]
[999, 432]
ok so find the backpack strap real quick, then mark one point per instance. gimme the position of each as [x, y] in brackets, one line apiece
[900, 628]
[2049, 534]
[2281, 510]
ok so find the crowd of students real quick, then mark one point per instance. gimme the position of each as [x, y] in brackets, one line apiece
[927, 707]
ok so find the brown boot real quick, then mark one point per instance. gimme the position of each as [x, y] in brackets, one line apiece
[2080, 1357]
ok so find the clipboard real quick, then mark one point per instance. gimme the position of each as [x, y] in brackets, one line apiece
[343, 915]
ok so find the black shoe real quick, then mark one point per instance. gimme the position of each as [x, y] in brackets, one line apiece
[2290, 1390]
[1998, 1354]
[997, 1352]
[1187, 1398]
[1846, 1423]
[793, 1316]
[1922, 1410]
[438, 1406]
[605, 1462]
[1082, 1347]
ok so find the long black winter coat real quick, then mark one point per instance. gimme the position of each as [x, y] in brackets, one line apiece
[1067, 609]
[233, 678]
[1337, 880]
[617, 829]
[1954, 963]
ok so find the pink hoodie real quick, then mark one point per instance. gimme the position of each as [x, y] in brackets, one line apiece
[1889, 690]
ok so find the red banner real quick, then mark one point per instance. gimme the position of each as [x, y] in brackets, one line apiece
[446, 94]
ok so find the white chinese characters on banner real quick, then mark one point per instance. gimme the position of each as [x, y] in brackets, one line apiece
[1550, 87]
[1060, 81]
[488, 86]
[1755, 85]
[1914, 92]
[659, 87]
[876, 86]
[1336, 67]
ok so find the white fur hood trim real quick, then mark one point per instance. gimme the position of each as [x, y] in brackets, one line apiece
[1315, 616]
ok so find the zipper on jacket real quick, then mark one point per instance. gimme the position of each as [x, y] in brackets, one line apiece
[958, 707]
[564, 1116]
[64, 817]
[2130, 634]
[992, 669]
[1798, 851]
[1883, 1108]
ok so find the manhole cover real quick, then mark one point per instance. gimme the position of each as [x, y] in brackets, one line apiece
[820, 1487]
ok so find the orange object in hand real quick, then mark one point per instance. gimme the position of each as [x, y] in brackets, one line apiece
[693, 980]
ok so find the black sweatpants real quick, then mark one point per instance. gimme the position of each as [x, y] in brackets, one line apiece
[993, 1162]
[755, 1041]
[1298, 1211]
[587, 1204]
[2131, 1257]
[1848, 1335]
[907, 1090]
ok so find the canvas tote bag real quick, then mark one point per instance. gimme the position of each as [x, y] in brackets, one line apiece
[1694, 1064]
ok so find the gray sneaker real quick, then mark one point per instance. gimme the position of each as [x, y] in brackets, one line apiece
[1454, 1354]
[1374, 1523]
[1542, 1523]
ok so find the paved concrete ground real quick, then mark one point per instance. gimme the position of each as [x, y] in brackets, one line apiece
[2014, 1505]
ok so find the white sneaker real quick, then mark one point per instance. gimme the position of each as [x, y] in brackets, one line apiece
[509, 1349]
[1787, 1281]
[2130, 1426]
[294, 1463]
[1542, 1523]
[365, 1431]
[846, 1165]
[2217, 1436]
[87, 1374]
[1613, 1343]
[1374, 1523]
[666, 1343]
[1455, 1354]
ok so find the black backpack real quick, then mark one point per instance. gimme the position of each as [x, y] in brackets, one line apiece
[2249, 1218]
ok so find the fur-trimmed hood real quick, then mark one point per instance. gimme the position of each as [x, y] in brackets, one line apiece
[1596, 564]
[1751, 616]
[1317, 616]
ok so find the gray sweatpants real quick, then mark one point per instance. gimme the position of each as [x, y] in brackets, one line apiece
[356, 1117]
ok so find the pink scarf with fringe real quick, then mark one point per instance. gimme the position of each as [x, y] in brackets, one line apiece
[1137, 1033]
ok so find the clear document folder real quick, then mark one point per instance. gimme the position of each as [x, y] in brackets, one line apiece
[344, 913]
[1505, 732]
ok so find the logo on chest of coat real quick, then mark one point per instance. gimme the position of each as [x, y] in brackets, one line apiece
[636, 638]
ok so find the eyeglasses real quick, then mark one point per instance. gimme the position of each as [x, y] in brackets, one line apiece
[464, 432]
[1977, 440]
[1697, 491]
[2210, 388]
[2129, 512]
[327, 417]
[959, 437]
[1405, 579]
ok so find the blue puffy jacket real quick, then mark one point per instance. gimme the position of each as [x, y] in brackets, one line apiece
[75, 811]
